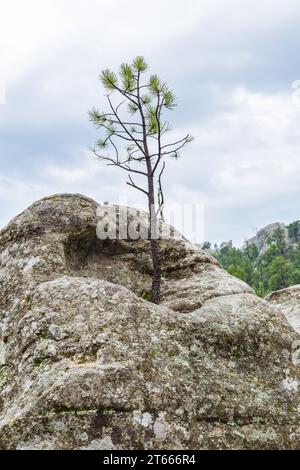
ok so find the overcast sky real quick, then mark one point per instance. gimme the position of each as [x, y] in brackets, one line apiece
[231, 64]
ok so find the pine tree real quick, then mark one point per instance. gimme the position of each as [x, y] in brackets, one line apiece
[142, 129]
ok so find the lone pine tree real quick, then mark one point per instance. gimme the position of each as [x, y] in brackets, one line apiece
[136, 120]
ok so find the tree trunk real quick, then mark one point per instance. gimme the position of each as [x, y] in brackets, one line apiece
[156, 261]
[156, 277]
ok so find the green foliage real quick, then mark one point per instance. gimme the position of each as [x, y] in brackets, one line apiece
[278, 267]
[109, 79]
[156, 97]
[277, 239]
[139, 64]
[169, 99]
[96, 117]
[294, 230]
[279, 273]
[146, 99]
[137, 145]
[147, 295]
[101, 143]
[127, 76]
[132, 108]
[152, 120]
[154, 84]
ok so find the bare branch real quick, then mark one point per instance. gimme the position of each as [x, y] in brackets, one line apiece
[169, 152]
[161, 199]
[117, 133]
[127, 95]
[131, 183]
[175, 143]
[145, 142]
[157, 113]
[127, 123]
[116, 149]
[176, 149]
[131, 157]
[136, 141]
[123, 165]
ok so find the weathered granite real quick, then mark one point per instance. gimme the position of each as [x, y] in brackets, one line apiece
[288, 300]
[86, 362]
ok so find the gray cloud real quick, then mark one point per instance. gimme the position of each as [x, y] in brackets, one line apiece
[231, 65]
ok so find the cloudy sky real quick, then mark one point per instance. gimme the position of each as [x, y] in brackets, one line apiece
[231, 63]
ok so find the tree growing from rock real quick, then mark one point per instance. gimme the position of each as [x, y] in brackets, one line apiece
[135, 118]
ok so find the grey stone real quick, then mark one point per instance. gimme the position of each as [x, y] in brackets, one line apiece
[288, 301]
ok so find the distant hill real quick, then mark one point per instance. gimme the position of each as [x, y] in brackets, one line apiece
[291, 234]
[268, 261]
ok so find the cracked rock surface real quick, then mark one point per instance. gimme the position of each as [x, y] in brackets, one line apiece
[86, 362]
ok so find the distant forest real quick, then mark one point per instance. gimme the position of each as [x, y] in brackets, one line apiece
[276, 267]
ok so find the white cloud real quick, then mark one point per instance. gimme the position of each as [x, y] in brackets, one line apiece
[16, 195]
[244, 164]
[248, 157]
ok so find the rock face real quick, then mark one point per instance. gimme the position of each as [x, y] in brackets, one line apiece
[288, 300]
[291, 236]
[88, 363]
[261, 238]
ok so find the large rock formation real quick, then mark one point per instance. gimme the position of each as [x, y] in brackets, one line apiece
[291, 237]
[288, 300]
[262, 236]
[88, 363]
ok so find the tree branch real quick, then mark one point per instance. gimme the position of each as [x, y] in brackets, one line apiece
[131, 183]
[123, 165]
[124, 127]
[161, 199]
[175, 143]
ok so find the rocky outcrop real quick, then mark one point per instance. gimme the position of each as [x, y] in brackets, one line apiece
[291, 236]
[88, 363]
[288, 300]
[262, 236]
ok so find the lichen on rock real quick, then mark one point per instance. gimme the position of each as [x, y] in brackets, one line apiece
[86, 362]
